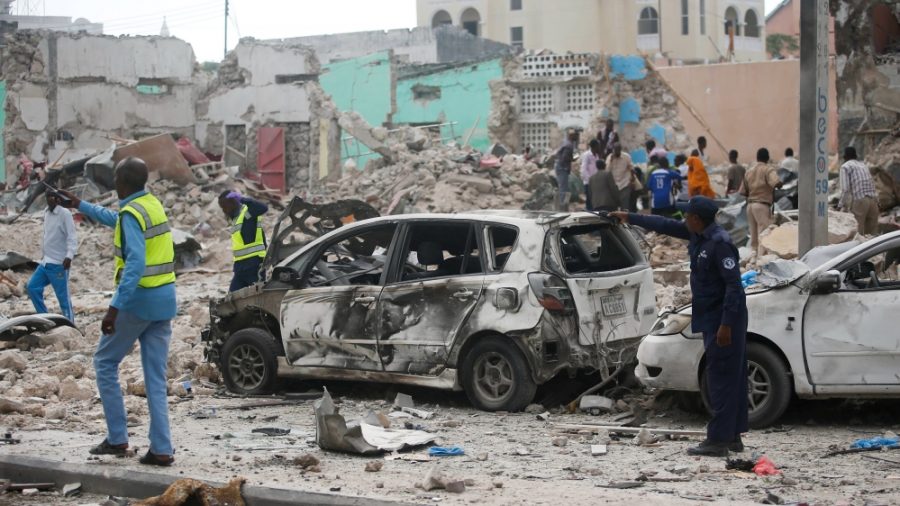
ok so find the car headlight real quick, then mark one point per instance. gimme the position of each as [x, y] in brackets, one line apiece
[672, 324]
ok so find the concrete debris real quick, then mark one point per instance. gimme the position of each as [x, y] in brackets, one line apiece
[189, 491]
[560, 441]
[374, 466]
[597, 450]
[782, 240]
[596, 404]
[437, 480]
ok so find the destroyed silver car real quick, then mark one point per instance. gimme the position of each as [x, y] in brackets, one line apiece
[493, 303]
[822, 327]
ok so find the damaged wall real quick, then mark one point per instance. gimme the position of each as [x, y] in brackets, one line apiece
[61, 95]
[456, 95]
[746, 105]
[868, 74]
[447, 44]
[261, 85]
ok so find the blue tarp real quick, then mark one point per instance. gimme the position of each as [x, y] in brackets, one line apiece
[632, 68]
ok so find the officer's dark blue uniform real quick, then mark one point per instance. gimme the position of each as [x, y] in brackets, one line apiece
[718, 300]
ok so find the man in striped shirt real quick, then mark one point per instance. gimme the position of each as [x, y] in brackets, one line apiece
[858, 193]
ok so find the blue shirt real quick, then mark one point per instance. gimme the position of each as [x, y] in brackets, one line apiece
[660, 184]
[718, 296]
[151, 304]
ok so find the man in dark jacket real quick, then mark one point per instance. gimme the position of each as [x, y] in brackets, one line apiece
[719, 312]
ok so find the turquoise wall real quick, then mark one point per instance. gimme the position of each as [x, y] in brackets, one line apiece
[362, 85]
[2, 124]
[465, 98]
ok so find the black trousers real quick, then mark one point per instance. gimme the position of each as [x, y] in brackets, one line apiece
[726, 384]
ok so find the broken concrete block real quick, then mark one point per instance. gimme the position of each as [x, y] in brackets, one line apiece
[781, 241]
[70, 389]
[483, 185]
[597, 450]
[14, 360]
[596, 404]
[434, 479]
[55, 412]
[71, 489]
[404, 401]
[842, 227]
[9, 406]
[161, 155]
[560, 441]
[455, 486]
[374, 466]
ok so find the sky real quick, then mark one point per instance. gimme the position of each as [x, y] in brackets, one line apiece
[201, 22]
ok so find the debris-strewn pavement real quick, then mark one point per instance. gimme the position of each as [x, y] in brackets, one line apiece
[510, 458]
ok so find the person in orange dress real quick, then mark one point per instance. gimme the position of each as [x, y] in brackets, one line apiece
[698, 179]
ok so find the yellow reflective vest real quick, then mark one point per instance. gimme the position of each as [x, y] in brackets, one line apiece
[243, 251]
[159, 266]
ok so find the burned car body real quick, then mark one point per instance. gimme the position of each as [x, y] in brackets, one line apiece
[494, 303]
[822, 327]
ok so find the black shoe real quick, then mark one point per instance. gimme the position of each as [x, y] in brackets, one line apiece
[709, 449]
[105, 448]
[737, 445]
[152, 459]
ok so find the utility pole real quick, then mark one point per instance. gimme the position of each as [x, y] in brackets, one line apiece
[813, 184]
[225, 52]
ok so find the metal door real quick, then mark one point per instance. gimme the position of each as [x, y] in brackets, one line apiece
[270, 160]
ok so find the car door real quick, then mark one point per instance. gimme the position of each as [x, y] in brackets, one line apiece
[436, 281]
[332, 321]
[850, 336]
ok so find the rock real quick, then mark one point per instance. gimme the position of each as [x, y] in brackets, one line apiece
[841, 227]
[498, 484]
[306, 461]
[481, 184]
[70, 389]
[890, 435]
[64, 334]
[136, 388]
[8, 406]
[29, 491]
[379, 484]
[596, 404]
[644, 437]
[534, 409]
[236, 458]
[522, 451]
[13, 359]
[560, 441]
[781, 241]
[374, 466]
[481, 457]
[75, 367]
[434, 479]
[455, 486]
[55, 412]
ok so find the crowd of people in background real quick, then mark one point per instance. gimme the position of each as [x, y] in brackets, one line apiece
[612, 181]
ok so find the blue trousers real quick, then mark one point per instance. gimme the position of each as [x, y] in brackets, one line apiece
[51, 274]
[562, 179]
[154, 337]
[726, 383]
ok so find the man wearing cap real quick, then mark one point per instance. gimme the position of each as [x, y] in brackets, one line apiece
[248, 242]
[719, 312]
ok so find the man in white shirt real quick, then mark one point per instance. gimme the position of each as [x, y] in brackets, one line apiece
[60, 244]
[589, 168]
[790, 163]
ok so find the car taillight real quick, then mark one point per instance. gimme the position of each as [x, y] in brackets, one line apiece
[552, 293]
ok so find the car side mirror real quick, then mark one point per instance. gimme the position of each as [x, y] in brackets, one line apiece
[827, 282]
[286, 275]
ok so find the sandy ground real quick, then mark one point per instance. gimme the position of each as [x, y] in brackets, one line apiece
[222, 447]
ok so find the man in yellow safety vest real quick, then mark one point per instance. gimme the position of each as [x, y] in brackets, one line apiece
[141, 309]
[248, 242]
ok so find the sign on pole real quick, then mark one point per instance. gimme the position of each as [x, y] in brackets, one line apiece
[813, 184]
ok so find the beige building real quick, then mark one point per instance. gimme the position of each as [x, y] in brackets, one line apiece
[689, 31]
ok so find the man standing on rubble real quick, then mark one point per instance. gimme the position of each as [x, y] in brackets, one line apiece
[565, 155]
[736, 173]
[608, 137]
[248, 242]
[622, 169]
[858, 194]
[588, 168]
[759, 186]
[719, 312]
[60, 244]
[141, 309]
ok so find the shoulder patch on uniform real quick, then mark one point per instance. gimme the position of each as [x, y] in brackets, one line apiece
[728, 263]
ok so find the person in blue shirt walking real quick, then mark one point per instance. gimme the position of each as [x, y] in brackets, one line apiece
[719, 312]
[141, 309]
[60, 244]
[663, 183]
[248, 240]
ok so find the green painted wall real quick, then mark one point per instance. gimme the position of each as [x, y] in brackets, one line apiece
[362, 85]
[2, 124]
[465, 98]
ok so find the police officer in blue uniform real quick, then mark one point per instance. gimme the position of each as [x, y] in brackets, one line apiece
[719, 312]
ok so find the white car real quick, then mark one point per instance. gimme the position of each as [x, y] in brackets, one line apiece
[826, 326]
[494, 303]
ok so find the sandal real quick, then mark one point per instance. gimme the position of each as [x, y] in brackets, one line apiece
[105, 448]
[152, 459]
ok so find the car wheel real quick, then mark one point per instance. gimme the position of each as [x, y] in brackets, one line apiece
[496, 376]
[248, 362]
[768, 386]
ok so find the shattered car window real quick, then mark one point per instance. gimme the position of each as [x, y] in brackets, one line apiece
[597, 248]
[438, 249]
[355, 260]
[879, 271]
[503, 239]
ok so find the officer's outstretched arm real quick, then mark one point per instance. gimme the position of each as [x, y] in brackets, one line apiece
[660, 225]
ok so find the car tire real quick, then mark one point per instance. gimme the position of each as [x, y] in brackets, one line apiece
[496, 376]
[249, 363]
[769, 374]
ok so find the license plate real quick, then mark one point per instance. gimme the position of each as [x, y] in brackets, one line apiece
[613, 305]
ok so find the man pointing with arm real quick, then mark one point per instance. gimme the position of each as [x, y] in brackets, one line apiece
[141, 309]
[719, 312]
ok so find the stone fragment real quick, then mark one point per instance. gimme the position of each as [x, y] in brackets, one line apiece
[374, 466]
[13, 359]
